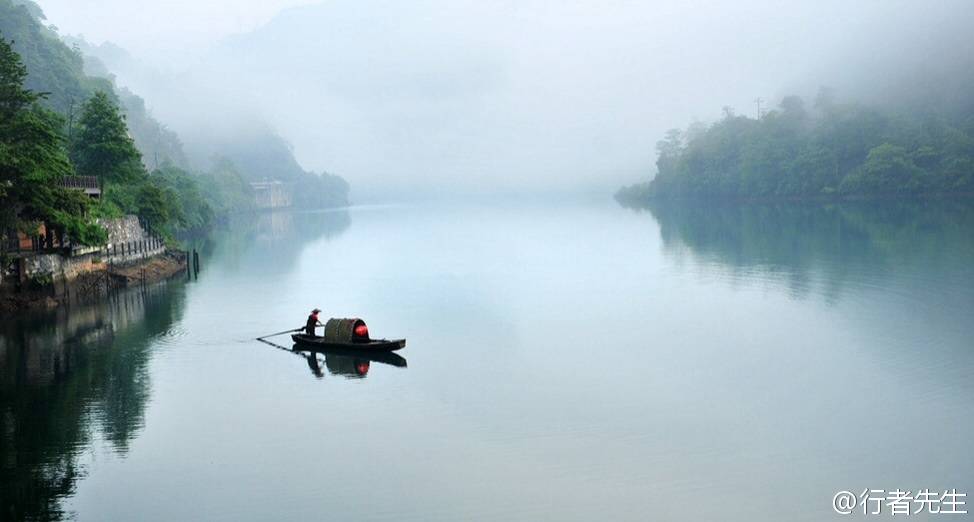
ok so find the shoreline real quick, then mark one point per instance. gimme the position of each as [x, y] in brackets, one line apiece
[643, 202]
[97, 283]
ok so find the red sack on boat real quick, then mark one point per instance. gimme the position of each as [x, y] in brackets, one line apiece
[362, 331]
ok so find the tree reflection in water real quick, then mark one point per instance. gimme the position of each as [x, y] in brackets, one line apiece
[70, 376]
[79, 375]
[804, 244]
[270, 242]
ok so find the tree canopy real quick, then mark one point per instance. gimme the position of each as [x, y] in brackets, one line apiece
[62, 115]
[835, 150]
[33, 161]
[102, 147]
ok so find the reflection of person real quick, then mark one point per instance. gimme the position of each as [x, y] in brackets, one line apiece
[314, 365]
[313, 322]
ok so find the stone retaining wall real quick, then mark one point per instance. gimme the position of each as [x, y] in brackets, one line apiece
[57, 267]
[128, 243]
[123, 230]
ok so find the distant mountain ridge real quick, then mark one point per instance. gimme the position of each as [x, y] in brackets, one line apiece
[71, 70]
[256, 150]
[70, 78]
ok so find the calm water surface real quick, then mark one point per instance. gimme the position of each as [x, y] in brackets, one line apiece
[575, 361]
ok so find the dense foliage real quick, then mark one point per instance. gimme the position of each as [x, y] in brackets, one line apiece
[52, 67]
[225, 189]
[257, 152]
[835, 150]
[33, 161]
[34, 158]
[166, 201]
[77, 126]
[82, 124]
[71, 78]
[102, 147]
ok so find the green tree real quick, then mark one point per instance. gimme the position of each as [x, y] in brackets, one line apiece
[190, 210]
[836, 150]
[52, 66]
[888, 169]
[155, 208]
[33, 162]
[102, 146]
[226, 190]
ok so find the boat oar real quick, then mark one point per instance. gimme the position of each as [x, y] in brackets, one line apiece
[279, 333]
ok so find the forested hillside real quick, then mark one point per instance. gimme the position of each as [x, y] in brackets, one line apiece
[260, 153]
[62, 121]
[70, 78]
[63, 115]
[826, 150]
[251, 145]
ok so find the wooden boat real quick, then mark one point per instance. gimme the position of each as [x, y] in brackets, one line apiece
[346, 334]
[307, 342]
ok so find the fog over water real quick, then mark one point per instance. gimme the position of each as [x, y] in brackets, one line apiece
[470, 96]
[685, 364]
[569, 356]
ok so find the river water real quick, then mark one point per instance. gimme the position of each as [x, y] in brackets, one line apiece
[569, 361]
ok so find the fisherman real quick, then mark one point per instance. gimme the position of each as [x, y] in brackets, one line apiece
[313, 322]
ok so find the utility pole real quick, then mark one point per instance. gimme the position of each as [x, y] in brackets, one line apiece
[759, 101]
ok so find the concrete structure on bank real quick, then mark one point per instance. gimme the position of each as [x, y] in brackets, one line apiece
[124, 230]
[87, 184]
[271, 194]
[127, 243]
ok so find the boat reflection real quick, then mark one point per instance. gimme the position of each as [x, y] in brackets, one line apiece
[351, 364]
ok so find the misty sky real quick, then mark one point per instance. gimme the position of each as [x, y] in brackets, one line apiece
[469, 94]
[151, 30]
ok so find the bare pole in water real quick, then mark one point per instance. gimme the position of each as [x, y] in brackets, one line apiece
[109, 265]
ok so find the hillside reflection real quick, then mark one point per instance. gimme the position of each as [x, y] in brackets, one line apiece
[270, 242]
[829, 244]
[70, 377]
